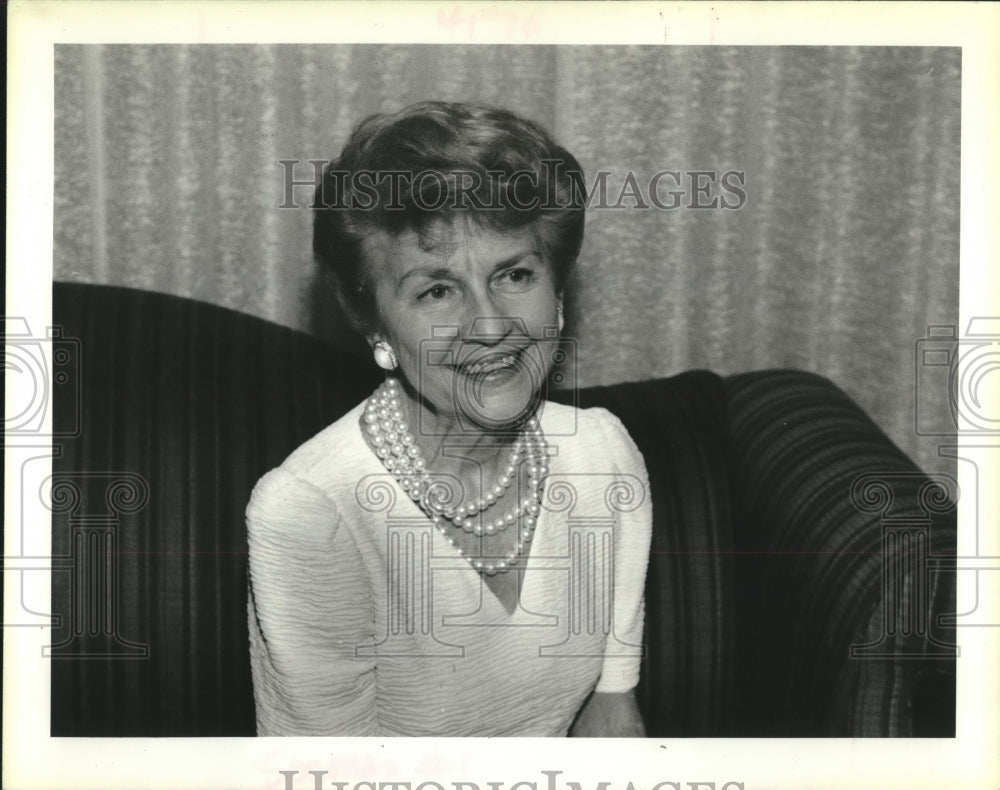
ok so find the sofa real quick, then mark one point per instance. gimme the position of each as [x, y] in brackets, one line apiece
[798, 582]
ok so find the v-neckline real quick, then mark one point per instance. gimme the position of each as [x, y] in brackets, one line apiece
[468, 573]
[523, 562]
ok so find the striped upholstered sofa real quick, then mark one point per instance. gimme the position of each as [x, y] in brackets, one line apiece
[791, 589]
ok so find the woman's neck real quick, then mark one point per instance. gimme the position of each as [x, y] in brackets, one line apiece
[455, 447]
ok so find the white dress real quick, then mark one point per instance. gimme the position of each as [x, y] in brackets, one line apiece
[364, 620]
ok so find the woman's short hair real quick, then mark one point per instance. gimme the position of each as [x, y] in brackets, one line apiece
[433, 161]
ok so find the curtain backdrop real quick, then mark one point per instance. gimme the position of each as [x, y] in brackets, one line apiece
[843, 252]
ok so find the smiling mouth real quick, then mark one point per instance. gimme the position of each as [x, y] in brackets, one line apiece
[490, 365]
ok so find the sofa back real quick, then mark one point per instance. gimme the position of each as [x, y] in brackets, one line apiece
[189, 404]
[183, 406]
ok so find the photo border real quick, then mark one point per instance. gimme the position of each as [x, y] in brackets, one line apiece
[33, 759]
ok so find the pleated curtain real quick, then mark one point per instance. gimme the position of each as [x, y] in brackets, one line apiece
[845, 248]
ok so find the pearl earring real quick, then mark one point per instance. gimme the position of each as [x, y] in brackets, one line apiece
[562, 320]
[385, 357]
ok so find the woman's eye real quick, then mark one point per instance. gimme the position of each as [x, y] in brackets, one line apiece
[435, 292]
[519, 276]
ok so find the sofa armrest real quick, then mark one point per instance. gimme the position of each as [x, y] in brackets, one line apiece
[837, 540]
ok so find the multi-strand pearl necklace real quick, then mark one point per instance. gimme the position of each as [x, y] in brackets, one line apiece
[394, 444]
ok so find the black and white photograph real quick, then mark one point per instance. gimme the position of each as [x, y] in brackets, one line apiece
[434, 371]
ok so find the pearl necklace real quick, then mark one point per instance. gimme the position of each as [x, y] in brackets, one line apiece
[389, 434]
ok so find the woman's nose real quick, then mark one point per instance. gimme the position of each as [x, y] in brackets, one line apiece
[488, 324]
[489, 328]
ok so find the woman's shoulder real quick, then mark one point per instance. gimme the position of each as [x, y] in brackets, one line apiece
[594, 432]
[316, 453]
[594, 443]
[280, 496]
[593, 439]
[306, 481]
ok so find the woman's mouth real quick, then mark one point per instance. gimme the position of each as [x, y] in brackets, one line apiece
[492, 367]
[496, 387]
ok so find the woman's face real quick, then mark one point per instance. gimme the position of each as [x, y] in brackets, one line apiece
[472, 316]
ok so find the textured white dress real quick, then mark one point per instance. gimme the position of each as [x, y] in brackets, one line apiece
[364, 620]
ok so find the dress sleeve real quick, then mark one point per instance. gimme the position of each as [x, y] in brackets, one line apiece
[309, 609]
[631, 498]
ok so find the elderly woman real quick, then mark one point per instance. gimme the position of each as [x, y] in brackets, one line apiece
[454, 556]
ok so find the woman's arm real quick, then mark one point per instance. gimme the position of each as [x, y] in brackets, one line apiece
[609, 715]
[308, 612]
[612, 710]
